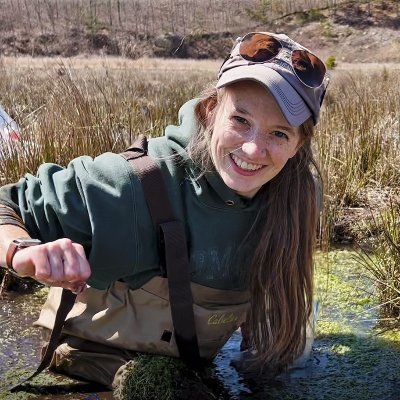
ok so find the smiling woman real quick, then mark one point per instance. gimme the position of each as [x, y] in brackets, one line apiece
[240, 161]
[251, 140]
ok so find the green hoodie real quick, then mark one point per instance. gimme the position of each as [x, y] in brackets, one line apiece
[100, 204]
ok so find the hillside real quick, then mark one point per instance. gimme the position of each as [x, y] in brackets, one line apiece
[351, 31]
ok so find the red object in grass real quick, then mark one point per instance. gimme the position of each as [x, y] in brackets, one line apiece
[9, 129]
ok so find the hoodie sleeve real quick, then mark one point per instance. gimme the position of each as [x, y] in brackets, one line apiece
[98, 203]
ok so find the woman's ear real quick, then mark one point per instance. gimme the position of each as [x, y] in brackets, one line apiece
[204, 109]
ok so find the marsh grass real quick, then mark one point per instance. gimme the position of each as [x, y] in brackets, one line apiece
[382, 263]
[79, 112]
[358, 141]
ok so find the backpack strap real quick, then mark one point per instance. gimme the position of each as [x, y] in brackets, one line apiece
[173, 243]
[172, 239]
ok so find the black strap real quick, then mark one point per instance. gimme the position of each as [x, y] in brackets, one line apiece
[173, 239]
[180, 294]
[172, 235]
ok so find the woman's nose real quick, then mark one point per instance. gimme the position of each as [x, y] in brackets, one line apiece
[254, 146]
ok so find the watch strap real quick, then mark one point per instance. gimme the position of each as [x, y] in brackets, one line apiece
[15, 245]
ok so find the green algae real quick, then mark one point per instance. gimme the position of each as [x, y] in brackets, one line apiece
[350, 359]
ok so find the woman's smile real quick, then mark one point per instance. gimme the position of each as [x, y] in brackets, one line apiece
[243, 165]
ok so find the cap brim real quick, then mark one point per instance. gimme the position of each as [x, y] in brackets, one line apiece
[292, 105]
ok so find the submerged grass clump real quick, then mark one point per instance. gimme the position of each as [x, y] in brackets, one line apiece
[149, 377]
[155, 377]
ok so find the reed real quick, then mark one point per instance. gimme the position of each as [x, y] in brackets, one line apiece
[381, 263]
[358, 141]
[64, 113]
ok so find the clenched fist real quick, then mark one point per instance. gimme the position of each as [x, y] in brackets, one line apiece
[60, 263]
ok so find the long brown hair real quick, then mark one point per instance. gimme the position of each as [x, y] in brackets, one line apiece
[281, 269]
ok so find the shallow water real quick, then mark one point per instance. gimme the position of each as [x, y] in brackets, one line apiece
[346, 361]
[19, 341]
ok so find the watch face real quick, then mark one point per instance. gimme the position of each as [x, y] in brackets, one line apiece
[26, 242]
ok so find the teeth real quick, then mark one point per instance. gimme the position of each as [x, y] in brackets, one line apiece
[245, 165]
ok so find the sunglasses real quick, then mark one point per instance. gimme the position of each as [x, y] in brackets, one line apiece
[262, 47]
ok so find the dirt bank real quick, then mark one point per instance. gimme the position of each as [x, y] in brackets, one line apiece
[351, 32]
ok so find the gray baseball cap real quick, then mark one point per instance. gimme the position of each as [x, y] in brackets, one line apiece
[297, 100]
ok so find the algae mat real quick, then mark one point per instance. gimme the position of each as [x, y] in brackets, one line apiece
[349, 361]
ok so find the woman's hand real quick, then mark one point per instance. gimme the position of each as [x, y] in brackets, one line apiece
[60, 263]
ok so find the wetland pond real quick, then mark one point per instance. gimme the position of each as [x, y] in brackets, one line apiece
[348, 360]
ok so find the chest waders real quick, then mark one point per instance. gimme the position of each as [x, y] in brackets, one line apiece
[171, 238]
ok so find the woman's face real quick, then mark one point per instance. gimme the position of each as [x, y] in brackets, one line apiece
[251, 140]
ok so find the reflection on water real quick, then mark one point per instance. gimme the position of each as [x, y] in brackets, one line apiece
[232, 380]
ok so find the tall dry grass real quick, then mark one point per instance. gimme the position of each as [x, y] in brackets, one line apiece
[358, 141]
[381, 264]
[70, 110]
[66, 112]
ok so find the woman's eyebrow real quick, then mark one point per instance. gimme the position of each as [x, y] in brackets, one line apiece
[241, 110]
[286, 128]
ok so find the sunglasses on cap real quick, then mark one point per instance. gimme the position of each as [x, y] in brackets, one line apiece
[263, 47]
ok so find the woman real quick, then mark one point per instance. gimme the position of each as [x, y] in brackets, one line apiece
[237, 172]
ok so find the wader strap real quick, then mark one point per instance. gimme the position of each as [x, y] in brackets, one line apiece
[66, 303]
[173, 239]
[180, 294]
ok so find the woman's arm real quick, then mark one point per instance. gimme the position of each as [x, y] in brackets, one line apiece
[97, 203]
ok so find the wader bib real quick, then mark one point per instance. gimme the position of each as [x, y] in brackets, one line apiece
[105, 328]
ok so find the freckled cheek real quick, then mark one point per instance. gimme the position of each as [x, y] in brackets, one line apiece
[225, 141]
[278, 154]
[232, 139]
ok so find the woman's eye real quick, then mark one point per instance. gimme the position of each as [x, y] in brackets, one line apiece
[240, 120]
[281, 135]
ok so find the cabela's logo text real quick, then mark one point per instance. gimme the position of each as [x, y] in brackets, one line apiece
[225, 318]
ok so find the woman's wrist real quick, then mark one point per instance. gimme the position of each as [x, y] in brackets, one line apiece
[14, 247]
